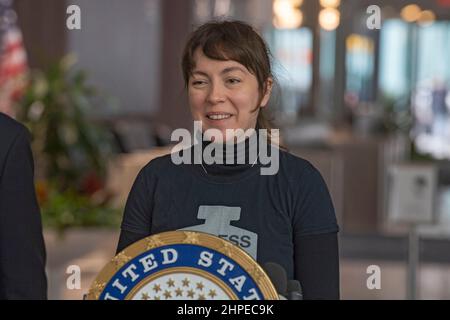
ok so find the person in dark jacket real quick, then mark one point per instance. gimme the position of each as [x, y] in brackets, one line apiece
[22, 249]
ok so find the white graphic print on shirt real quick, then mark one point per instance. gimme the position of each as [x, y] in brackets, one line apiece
[217, 222]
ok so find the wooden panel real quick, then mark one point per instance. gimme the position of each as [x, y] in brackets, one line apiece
[43, 25]
[361, 186]
[176, 26]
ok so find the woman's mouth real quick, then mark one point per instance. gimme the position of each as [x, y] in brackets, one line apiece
[218, 116]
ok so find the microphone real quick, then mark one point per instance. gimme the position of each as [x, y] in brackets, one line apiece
[294, 290]
[287, 289]
[278, 276]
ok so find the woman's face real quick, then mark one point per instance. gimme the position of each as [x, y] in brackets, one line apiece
[222, 95]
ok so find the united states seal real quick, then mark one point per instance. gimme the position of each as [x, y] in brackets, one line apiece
[182, 265]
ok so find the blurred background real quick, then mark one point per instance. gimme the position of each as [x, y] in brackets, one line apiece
[363, 93]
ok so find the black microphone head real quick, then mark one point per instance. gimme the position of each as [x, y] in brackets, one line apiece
[277, 275]
[294, 286]
[294, 290]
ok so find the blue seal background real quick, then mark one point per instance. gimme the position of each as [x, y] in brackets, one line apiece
[188, 256]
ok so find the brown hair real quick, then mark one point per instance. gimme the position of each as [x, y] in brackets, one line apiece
[237, 41]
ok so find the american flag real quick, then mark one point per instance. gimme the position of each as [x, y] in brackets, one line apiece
[13, 59]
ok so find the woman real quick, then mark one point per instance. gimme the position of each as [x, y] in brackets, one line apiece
[286, 217]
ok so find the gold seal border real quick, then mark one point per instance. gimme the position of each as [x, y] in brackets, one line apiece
[188, 270]
[184, 237]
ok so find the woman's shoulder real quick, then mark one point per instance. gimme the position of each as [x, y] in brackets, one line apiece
[165, 163]
[295, 164]
[299, 172]
[157, 164]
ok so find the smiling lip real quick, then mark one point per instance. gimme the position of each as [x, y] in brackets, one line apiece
[217, 116]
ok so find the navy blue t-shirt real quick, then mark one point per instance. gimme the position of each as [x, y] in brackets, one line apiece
[263, 214]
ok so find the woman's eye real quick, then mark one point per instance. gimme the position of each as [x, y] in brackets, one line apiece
[198, 82]
[233, 81]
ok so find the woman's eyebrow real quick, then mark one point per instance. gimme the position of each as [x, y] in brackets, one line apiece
[230, 69]
[200, 73]
[226, 70]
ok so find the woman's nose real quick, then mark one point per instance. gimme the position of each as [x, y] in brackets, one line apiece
[216, 94]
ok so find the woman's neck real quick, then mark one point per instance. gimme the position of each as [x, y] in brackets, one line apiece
[243, 152]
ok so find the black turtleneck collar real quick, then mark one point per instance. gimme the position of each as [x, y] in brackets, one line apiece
[235, 162]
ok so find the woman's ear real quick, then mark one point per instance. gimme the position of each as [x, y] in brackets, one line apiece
[267, 92]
